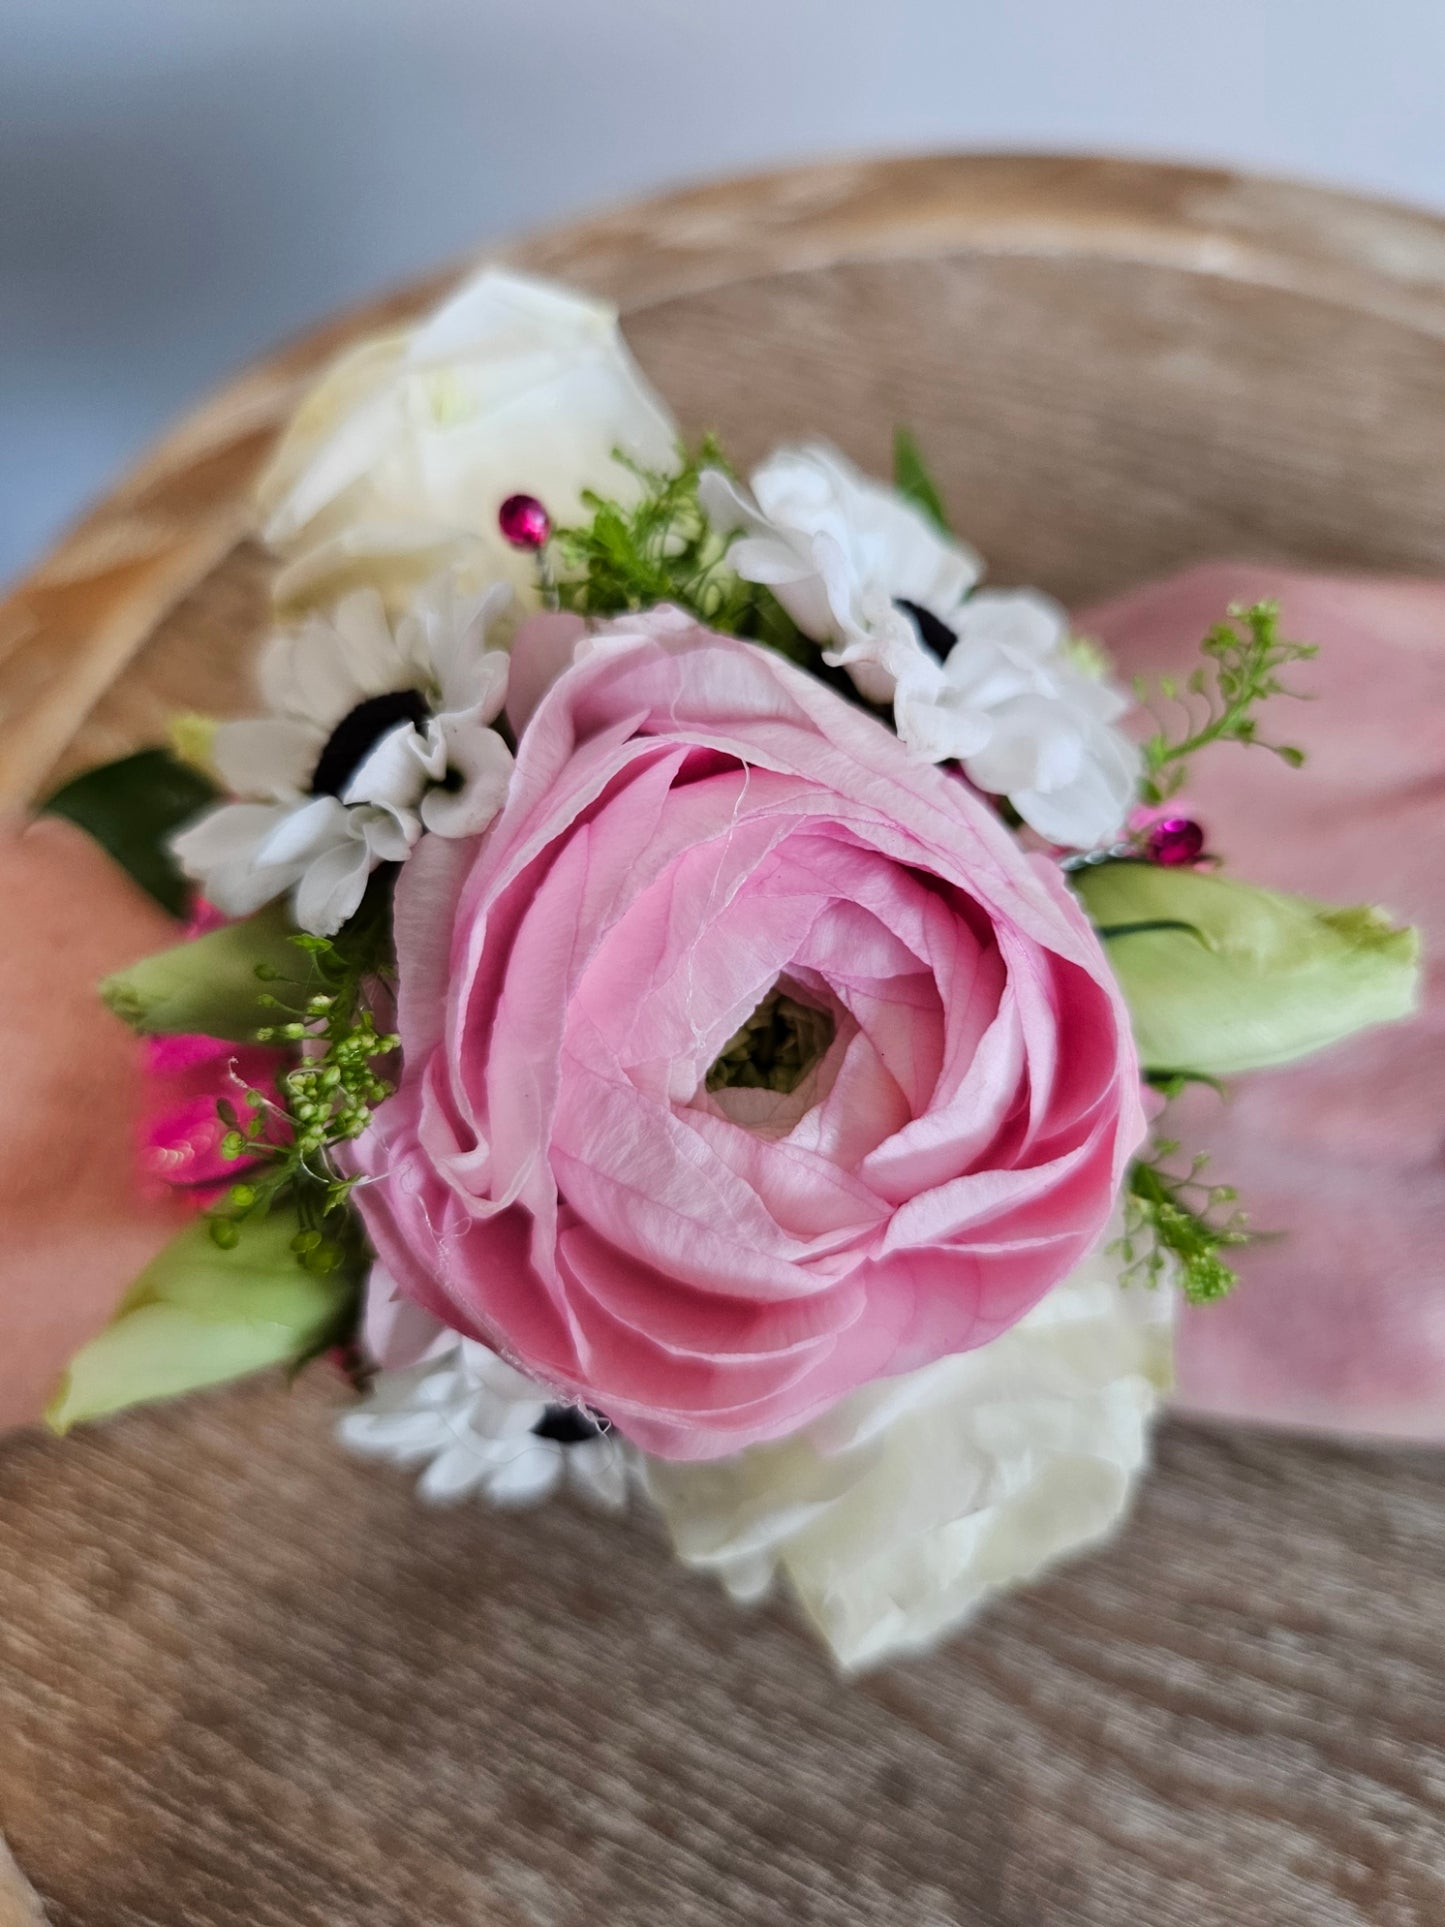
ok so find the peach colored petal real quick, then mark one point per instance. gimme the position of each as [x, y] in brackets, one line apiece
[76, 1225]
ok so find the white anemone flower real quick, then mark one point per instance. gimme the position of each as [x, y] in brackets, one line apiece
[1025, 716]
[899, 1513]
[477, 1426]
[984, 678]
[376, 732]
[841, 552]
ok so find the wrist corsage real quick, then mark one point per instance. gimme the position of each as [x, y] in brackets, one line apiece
[682, 986]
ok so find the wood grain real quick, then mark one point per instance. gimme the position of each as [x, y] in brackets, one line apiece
[1156, 237]
[245, 1681]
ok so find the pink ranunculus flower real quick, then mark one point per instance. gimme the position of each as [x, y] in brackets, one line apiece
[695, 830]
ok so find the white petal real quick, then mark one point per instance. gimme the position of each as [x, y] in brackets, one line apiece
[220, 854]
[488, 1370]
[404, 1436]
[231, 833]
[529, 1471]
[304, 674]
[389, 556]
[483, 762]
[479, 684]
[393, 772]
[880, 648]
[1092, 808]
[1016, 619]
[456, 1472]
[937, 724]
[444, 634]
[335, 436]
[598, 1469]
[898, 1513]
[987, 676]
[772, 560]
[267, 756]
[332, 888]
[374, 659]
[396, 1332]
[389, 834]
[891, 546]
[1036, 743]
[726, 505]
[306, 832]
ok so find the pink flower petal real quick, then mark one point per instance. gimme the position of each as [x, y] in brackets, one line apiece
[77, 1225]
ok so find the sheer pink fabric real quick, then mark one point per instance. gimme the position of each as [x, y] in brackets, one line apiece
[1340, 1322]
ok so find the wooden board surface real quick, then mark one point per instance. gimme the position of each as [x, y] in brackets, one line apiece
[246, 1681]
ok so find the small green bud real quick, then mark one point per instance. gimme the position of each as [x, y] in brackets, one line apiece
[1222, 977]
[200, 1313]
[209, 985]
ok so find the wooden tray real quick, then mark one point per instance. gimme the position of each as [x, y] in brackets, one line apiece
[245, 1680]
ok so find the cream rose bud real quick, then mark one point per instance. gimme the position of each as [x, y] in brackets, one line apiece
[899, 1513]
[400, 458]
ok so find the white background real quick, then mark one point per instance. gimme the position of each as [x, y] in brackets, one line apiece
[181, 181]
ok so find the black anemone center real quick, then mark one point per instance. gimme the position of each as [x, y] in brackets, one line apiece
[569, 1425]
[358, 733]
[934, 634]
[775, 1049]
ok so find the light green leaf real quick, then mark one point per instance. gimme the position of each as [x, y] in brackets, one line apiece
[211, 986]
[199, 1315]
[1222, 977]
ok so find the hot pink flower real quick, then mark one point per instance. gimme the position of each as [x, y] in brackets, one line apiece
[695, 826]
[184, 1078]
[181, 1129]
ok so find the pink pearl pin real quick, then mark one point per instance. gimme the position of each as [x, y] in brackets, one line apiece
[1175, 841]
[524, 522]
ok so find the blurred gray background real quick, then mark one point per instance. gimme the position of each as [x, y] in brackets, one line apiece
[182, 181]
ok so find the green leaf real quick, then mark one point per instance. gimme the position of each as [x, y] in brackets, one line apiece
[226, 984]
[1222, 977]
[132, 808]
[199, 1315]
[911, 477]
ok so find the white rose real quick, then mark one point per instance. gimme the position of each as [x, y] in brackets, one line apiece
[399, 459]
[897, 1514]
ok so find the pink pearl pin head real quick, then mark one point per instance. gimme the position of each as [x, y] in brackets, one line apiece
[1175, 841]
[524, 522]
